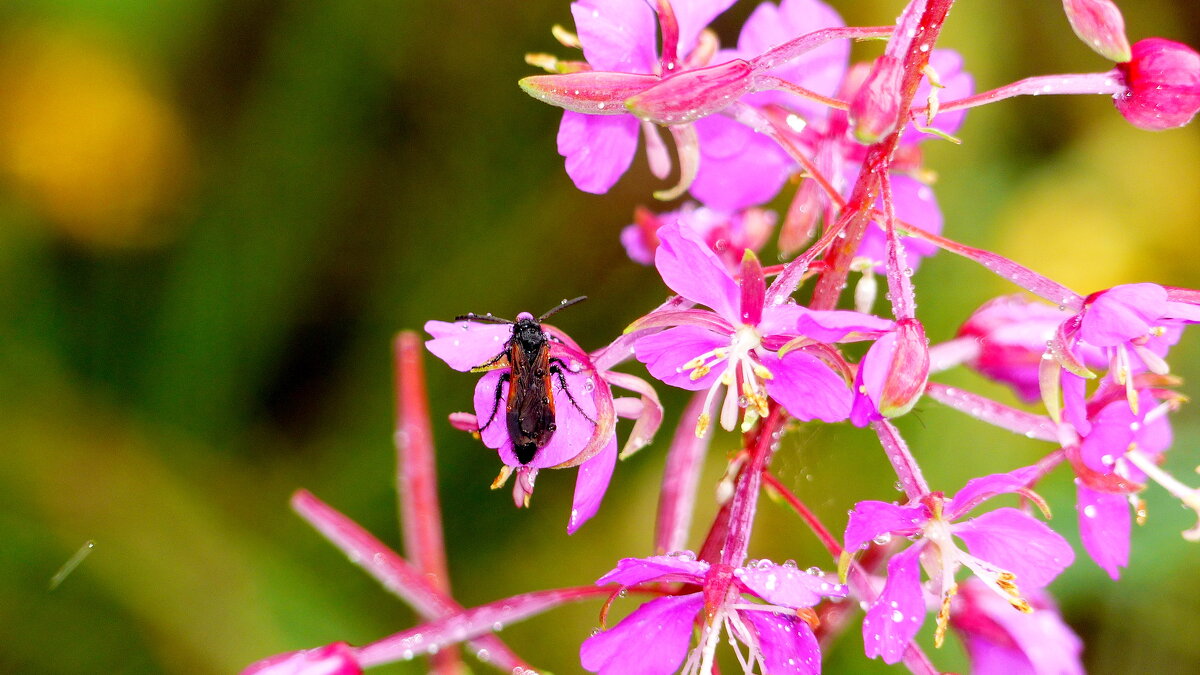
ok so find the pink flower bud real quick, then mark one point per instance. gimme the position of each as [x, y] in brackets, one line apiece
[335, 659]
[909, 372]
[588, 92]
[875, 110]
[1100, 25]
[1162, 85]
[693, 94]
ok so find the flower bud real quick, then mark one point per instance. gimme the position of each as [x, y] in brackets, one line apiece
[1162, 85]
[693, 94]
[875, 110]
[1011, 334]
[892, 376]
[1100, 25]
[334, 659]
[588, 92]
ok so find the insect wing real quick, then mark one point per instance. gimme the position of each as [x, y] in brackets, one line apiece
[530, 408]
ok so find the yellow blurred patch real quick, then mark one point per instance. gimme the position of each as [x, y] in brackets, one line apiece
[86, 142]
[1119, 207]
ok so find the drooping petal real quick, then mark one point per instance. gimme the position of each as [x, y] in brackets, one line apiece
[1104, 524]
[335, 659]
[898, 613]
[1122, 313]
[631, 571]
[690, 268]
[787, 586]
[787, 644]
[979, 490]
[870, 519]
[652, 640]
[464, 345]
[598, 149]
[1014, 541]
[806, 387]
[591, 484]
[617, 35]
[665, 353]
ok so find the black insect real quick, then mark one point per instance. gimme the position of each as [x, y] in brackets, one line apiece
[532, 370]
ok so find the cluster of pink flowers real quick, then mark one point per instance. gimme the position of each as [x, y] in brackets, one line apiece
[786, 107]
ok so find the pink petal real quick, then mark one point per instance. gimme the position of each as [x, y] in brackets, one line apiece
[591, 484]
[806, 387]
[738, 168]
[840, 325]
[1074, 392]
[1014, 541]
[463, 345]
[1122, 313]
[870, 519]
[787, 643]
[787, 586]
[653, 640]
[1104, 525]
[335, 659]
[869, 381]
[1042, 638]
[693, 16]
[898, 613]
[598, 149]
[990, 658]
[979, 490]
[1111, 433]
[666, 352]
[690, 268]
[617, 34]
[631, 571]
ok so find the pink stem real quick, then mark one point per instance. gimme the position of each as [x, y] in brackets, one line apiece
[997, 414]
[946, 355]
[681, 476]
[899, 274]
[393, 572]
[744, 503]
[902, 460]
[806, 43]
[1075, 83]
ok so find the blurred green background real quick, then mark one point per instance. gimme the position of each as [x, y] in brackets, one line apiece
[214, 215]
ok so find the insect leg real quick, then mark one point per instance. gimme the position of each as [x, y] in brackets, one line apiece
[556, 368]
[506, 377]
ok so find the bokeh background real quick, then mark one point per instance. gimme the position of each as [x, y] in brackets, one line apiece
[215, 214]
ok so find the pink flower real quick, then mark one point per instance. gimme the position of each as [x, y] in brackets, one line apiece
[1004, 547]
[1100, 25]
[1162, 85]
[654, 639]
[1003, 641]
[739, 343]
[729, 235]
[583, 431]
[338, 658]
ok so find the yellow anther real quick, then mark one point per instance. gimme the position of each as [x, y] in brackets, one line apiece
[505, 472]
[699, 372]
[565, 37]
[547, 62]
[702, 423]
[943, 617]
[762, 371]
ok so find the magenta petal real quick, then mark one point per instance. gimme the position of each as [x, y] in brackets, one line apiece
[990, 658]
[787, 586]
[617, 34]
[807, 388]
[464, 345]
[591, 484]
[868, 382]
[653, 640]
[787, 644]
[335, 659]
[598, 149]
[979, 490]
[738, 168]
[575, 427]
[666, 352]
[837, 325]
[690, 268]
[1104, 525]
[1122, 313]
[1074, 391]
[1014, 541]
[631, 571]
[1047, 644]
[898, 613]
[1110, 435]
[693, 16]
[870, 519]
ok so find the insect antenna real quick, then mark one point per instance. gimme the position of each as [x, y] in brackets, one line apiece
[561, 306]
[481, 318]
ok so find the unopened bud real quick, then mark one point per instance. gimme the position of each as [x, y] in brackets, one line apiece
[588, 92]
[909, 372]
[1163, 85]
[692, 94]
[1100, 25]
[875, 110]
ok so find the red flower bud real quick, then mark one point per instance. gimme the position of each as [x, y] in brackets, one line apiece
[693, 94]
[1163, 85]
[875, 110]
[906, 379]
[589, 92]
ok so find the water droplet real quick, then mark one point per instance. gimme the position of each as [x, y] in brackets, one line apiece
[1090, 510]
[897, 616]
[814, 571]
[883, 538]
